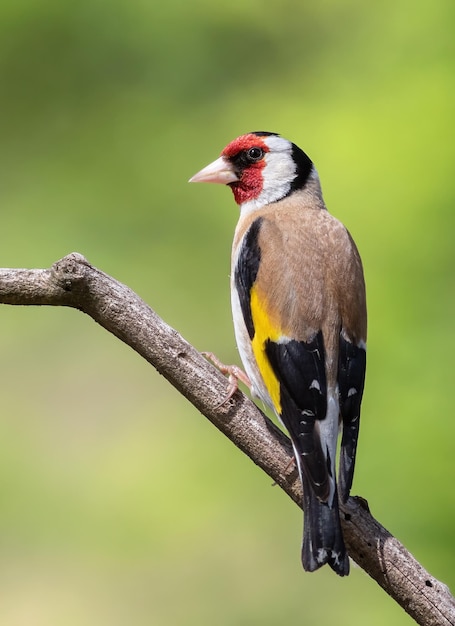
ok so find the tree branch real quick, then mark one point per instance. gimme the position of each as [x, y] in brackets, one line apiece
[73, 282]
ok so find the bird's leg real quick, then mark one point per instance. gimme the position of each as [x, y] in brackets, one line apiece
[234, 374]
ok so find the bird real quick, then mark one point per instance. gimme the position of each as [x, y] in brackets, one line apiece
[300, 320]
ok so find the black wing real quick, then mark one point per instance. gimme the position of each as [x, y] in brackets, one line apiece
[300, 369]
[351, 380]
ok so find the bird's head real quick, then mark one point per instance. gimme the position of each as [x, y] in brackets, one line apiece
[260, 168]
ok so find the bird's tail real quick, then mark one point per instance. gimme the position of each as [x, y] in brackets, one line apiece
[322, 536]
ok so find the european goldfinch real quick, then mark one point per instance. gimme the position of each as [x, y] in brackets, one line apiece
[299, 311]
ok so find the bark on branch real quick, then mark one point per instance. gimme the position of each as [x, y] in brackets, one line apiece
[73, 282]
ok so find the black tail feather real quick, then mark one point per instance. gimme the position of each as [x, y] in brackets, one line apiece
[322, 536]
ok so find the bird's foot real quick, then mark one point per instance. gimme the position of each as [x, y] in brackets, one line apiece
[234, 374]
[292, 464]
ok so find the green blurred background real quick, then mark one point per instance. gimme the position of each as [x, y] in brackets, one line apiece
[119, 503]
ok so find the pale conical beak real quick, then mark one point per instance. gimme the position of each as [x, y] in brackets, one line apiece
[220, 171]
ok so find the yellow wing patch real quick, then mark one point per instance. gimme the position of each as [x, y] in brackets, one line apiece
[265, 328]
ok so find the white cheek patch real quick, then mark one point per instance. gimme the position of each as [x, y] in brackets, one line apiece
[279, 171]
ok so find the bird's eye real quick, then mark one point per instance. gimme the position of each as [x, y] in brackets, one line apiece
[255, 154]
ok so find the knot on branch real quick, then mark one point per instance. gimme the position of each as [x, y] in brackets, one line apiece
[70, 271]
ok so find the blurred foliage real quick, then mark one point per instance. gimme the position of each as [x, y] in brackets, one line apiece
[119, 503]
